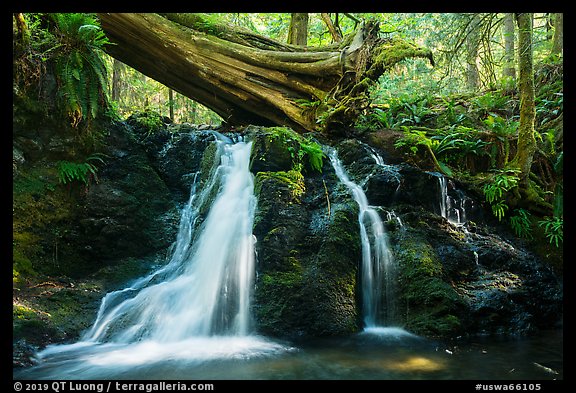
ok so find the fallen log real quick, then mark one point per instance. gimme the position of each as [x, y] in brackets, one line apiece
[250, 79]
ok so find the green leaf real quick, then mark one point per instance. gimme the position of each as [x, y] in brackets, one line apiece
[445, 168]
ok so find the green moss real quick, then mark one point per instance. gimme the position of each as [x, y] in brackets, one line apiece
[37, 182]
[150, 121]
[431, 304]
[73, 308]
[435, 324]
[208, 161]
[56, 312]
[20, 312]
[348, 284]
[343, 228]
[41, 213]
[278, 156]
[278, 302]
[21, 263]
[298, 146]
[394, 51]
[121, 272]
[208, 165]
[205, 23]
[342, 242]
[293, 180]
[28, 322]
[282, 279]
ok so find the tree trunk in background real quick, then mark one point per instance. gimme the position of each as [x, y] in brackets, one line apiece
[171, 103]
[192, 112]
[118, 73]
[549, 25]
[250, 79]
[558, 38]
[336, 36]
[472, 45]
[509, 56]
[298, 30]
[526, 142]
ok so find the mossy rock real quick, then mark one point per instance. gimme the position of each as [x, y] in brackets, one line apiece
[129, 213]
[273, 150]
[56, 311]
[342, 243]
[30, 323]
[307, 260]
[293, 180]
[43, 212]
[281, 149]
[433, 307]
[147, 122]
[278, 303]
[306, 303]
[208, 162]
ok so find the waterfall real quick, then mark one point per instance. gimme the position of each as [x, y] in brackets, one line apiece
[197, 306]
[391, 215]
[378, 269]
[451, 208]
[205, 288]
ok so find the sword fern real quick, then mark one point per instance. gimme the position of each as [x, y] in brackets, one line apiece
[79, 66]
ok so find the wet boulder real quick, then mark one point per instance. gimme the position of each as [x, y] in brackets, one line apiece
[307, 253]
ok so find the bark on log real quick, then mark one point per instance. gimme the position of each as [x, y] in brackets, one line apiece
[250, 79]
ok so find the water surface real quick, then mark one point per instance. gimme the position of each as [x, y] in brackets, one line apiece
[378, 354]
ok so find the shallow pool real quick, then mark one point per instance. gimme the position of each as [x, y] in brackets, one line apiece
[380, 354]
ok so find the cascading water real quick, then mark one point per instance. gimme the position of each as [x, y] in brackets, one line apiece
[124, 345]
[452, 209]
[378, 268]
[391, 215]
[197, 306]
[205, 287]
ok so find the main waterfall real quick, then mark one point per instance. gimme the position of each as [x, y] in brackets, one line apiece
[205, 288]
[197, 306]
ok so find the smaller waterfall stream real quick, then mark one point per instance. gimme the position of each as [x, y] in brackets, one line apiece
[451, 208]
[378, 269]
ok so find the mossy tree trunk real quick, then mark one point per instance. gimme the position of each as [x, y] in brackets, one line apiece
[526, 141]
[333, 29]
[526, 194]
[558, 37]
[250, 79]
[472, 45]
[298, 30]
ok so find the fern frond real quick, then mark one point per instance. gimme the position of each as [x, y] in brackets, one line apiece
[68, 86]
[69, 172]
[93, 94]
[80, 67]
